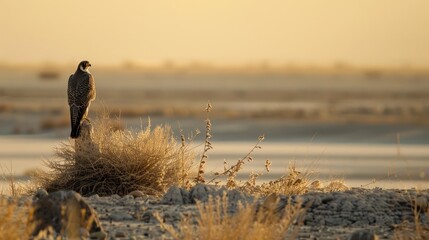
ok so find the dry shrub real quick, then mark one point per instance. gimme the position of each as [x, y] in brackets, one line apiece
[336, 186]
[251, 221]
[105, 161]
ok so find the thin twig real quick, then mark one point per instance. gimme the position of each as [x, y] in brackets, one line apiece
[240, 161]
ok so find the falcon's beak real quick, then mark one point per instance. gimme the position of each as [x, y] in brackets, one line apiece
[89, 64]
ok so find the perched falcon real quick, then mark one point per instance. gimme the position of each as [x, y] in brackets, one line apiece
[80, 91]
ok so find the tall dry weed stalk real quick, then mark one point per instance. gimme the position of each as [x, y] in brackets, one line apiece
[106, 160]
[207, 147]
[14, 188]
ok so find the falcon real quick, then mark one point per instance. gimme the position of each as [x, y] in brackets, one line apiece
[80, 91]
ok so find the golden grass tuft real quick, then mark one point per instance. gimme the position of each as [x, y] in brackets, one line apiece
[251, 221]
[293, 183]
[13, 223]
[105, 160]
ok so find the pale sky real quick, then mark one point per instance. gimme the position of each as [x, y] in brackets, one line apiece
[361, 32]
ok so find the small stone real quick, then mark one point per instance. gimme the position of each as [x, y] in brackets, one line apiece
[120, 234]
[115, 196]
[120, 216]
[94, 197]
[137, 193]
[98, 235]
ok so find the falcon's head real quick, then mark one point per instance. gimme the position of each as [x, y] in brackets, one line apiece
[84, 66]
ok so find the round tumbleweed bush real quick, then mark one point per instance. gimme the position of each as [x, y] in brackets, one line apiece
[107, 160]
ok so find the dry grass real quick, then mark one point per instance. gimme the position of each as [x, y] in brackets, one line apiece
[105, 161]
[13, 188]
[420, 228]
[251, 221]
[294, 182]
[13, 221]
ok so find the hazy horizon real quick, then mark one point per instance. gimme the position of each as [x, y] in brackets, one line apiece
[361, 33]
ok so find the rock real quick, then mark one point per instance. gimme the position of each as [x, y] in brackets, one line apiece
[137, 193]
[98, 235]
[120, 216]
[235, 196]
[40, 193]
[173, 196]
[63, 212]
[94, 197]
[363, 235]
[120, 234]
[115, 197]
[127, 198]
[201, 192]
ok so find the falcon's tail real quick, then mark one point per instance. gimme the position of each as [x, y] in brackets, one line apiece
[76, 115]
[75, 131]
